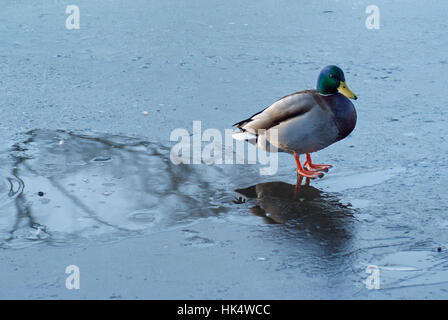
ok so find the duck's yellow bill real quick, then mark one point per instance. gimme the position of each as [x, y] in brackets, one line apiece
[346, 91]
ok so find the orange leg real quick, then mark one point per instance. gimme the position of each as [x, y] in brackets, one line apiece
[306, 173]
[318, 167]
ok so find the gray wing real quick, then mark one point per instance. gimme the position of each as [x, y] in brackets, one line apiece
[293, 105]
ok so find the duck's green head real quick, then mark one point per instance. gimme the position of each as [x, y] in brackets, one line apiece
[331, 80]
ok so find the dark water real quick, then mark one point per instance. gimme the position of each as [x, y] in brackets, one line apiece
[63, 188]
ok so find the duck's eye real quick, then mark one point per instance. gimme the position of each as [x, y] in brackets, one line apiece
[331, 76]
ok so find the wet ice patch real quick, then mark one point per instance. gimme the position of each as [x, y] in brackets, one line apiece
[101, 188]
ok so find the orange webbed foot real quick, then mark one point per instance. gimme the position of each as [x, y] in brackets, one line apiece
[309, 165]
[307, 173]
[311, 174]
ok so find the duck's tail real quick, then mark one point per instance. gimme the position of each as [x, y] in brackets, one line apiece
[245, 136]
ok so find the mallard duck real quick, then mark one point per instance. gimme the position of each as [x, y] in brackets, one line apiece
[305, 122]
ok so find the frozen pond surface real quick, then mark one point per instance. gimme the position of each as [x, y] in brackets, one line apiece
[86, 178]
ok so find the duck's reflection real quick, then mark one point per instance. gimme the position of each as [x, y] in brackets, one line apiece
[301, 208]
